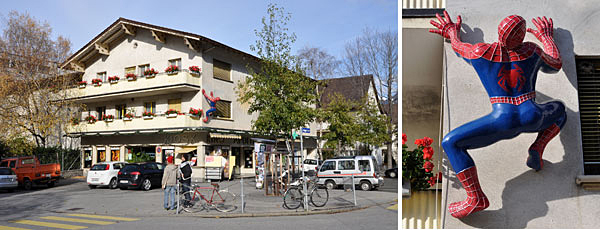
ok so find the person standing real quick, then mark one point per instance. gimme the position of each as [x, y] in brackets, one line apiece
[185, 172]
[169, 183]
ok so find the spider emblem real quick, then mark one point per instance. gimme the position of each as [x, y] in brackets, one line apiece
[512, 77]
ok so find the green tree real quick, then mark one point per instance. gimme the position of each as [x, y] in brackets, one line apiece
[278, 90]
[373, 125]
[343, 127]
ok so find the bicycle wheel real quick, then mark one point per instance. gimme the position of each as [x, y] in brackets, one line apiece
[292, 199]
[319, 196]
[191, 203]
[224, 201]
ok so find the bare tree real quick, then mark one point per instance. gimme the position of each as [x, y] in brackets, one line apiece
[317, 63]
[376, 53]
[33, 88]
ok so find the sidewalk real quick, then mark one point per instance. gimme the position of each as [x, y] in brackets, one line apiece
[149, 203]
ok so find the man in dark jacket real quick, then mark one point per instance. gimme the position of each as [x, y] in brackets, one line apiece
[185, 170]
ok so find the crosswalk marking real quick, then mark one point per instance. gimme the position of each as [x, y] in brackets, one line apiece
[104, 217]
[393, 207]
[77, 220]
[11, 228]
[49, 224]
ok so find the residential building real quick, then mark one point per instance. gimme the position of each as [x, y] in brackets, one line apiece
[138, 100]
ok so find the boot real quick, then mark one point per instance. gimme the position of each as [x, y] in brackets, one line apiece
[476, 200]
[536, 149]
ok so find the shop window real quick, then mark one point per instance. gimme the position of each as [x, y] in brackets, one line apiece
[87, 158]
[101, 155]
[140, 154]
[121, 110]
[223, 109]
[175, 104]
[221, 70]
[588, 85]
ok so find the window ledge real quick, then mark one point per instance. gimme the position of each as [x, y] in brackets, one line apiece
[230, 81]
[222, 119]
[587, 179]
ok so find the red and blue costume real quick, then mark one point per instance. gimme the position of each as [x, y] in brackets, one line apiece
[212, 101]
[508, 70]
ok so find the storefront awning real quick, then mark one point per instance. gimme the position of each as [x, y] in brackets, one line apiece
[185, 150]
[225, 136]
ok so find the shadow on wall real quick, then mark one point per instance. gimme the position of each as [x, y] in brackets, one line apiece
[526, 196]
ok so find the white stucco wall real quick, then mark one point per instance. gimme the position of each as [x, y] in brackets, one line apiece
[519, 196]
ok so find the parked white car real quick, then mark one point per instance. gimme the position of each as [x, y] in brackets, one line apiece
[311, 164]
[104, 174]
[8, 179]
[338, 171]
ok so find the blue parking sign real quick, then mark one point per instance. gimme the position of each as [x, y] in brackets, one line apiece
[305, 130]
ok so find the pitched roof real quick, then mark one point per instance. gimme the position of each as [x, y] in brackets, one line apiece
[353, 88]
[117, 28]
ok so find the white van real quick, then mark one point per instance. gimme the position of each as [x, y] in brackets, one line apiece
[364, 168]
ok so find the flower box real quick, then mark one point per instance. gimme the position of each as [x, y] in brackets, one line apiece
[195, 70]
[127, 118]
[147, 117]
[131, 77]
[150, 73]
[172, 69]
[171, 113]
[82, 84]
[195, 113]
[113, 79]
[91, 119]
[108, 120]
[97, 82]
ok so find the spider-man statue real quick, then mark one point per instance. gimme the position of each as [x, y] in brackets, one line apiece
[508, 70]
[212, 101]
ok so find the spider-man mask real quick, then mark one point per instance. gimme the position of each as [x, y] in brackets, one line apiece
[511, 31]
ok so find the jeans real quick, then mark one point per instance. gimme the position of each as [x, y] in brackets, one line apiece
[170, 193]
[185, 189]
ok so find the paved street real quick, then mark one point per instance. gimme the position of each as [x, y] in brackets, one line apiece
[61, 205]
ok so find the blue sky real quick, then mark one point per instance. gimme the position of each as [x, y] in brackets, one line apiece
[321, 23]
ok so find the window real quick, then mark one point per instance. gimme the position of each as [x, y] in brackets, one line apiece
[175, 104]
[221, 70]
[223, 109]
[102, 76]
[27, 161]
[150, 107]
[4, 164]
[346, 165]
[101, 111]
[364, 165]
[328, 165]
[12, 164]
[121, 110]
[588, 78]
[142, 69]
[129, 70]
[175, 62]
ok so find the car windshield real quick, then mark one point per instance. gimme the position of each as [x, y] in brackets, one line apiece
[131, 168]
[6, 171]
[98, 167]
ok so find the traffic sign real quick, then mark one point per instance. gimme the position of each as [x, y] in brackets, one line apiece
[305, 130]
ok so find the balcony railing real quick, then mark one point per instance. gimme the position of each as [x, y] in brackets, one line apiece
[162, 83]
[136, 125]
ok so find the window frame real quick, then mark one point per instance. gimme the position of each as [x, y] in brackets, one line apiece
[121, 110]
[217, 112]
[102, 76]
[142, 68]
[220, 64]
[177, 61]
[152, 106]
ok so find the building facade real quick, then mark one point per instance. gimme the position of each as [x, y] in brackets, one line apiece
[131, 118]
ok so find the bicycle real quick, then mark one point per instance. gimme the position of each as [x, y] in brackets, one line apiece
[294, 196]
[221, 200]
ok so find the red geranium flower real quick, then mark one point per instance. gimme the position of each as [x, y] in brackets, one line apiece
[428, 166]
[432, 181]
[404, 138]
[427, 141]
[427, 153]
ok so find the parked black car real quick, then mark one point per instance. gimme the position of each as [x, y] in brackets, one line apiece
[140, 175]
[392, 173]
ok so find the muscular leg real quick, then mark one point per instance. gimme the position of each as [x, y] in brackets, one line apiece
[209, 112]
[552, 125]
[479, 133]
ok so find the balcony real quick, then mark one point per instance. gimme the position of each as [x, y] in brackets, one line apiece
[162, 83]
[136, 125]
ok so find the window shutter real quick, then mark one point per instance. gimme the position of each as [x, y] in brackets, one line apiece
[175, 104]
[223, 109]
[588, 80]
[221, 70]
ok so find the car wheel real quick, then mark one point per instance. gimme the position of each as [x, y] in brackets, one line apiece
[146, 184]
[27, 184]
[365, 185]
[392, 174]
[113, 183]
[330, 184]
[92, 186]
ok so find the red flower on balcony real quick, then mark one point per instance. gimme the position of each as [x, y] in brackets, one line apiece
[91, 119]
[83, 82]
[195, 69]
[149, 72]
[129, 115]
[148, 114]
[195, 112]
[171, 111]
[113, 79]
[172, 69]
[131, 77]
[96, 81]
[107, 117]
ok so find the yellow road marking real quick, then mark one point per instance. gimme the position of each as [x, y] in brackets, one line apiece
[49, 224]
[11, 228]
[104, 217]
[393, 207]
[77, 220]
